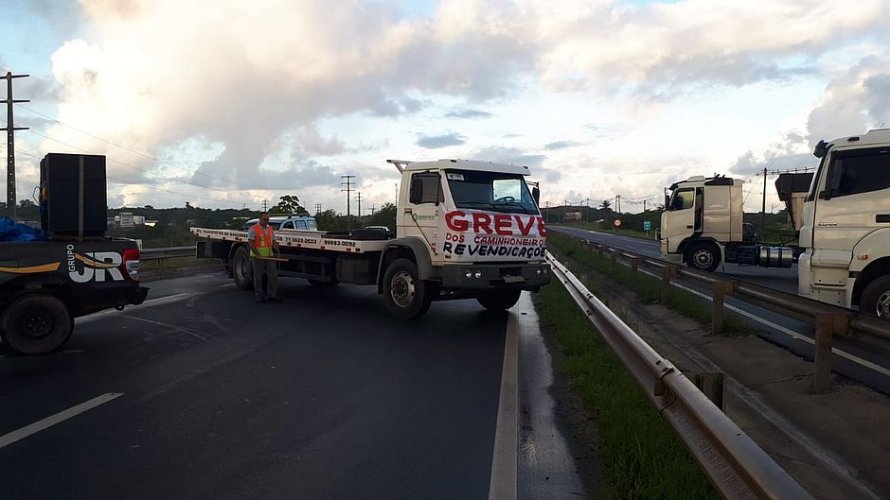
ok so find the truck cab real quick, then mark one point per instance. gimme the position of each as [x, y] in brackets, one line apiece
[700, 216]
[845, 230]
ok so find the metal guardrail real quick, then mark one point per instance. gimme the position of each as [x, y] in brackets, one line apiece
[846, 322]
[737, 467]
[167, 253]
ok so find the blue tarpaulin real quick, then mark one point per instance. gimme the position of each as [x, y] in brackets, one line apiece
[11, 230]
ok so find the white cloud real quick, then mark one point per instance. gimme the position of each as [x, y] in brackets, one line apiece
[651, 92]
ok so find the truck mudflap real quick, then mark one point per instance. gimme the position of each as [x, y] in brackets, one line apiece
[495, 276]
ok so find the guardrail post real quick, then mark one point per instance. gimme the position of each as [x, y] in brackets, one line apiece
[634, 267]
[721, 289]
[613, 256]
[667, 272]
[711, 384]
[822, 353]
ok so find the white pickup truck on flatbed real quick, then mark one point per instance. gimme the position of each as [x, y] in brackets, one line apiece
[464, 229]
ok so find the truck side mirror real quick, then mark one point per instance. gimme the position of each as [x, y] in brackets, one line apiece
[416, 193]
[536, 195]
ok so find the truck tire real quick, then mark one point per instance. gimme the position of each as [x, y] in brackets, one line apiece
[876, 298]
[405, 294]
[703, 256]
[499, 300]
[242, 268]
[36, 323]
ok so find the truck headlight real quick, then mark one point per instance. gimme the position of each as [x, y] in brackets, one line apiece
[478, 274]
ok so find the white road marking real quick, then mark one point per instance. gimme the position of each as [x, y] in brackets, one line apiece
[17, 435]
[160, 301]
[504, 461]
[791, 333]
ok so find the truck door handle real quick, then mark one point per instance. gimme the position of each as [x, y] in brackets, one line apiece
[689, 227]
[409, 211]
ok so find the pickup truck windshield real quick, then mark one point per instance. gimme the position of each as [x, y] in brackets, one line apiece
[492, 191]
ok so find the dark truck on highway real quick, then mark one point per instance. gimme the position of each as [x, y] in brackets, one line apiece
[70, 267]
[44, 285]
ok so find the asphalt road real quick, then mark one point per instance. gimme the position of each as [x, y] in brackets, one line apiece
[867, 362]
[322, 396]
[203, 393]
[777, 278]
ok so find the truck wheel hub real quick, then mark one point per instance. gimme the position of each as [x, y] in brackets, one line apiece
[702, 258]
[37, 326]
[402, 291]
[883, 309]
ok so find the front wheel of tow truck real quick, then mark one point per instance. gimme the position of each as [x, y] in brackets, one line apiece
[876, 298]
[36, 324]
[242, 268]
[405, 294]
[499, 300]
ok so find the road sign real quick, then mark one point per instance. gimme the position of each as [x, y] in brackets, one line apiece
[647, 225]
[617, 223]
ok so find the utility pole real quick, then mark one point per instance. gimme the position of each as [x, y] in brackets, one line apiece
[763, 208]
[10, 144]
[359, 194]
[373, 208]
[644, 206]
[265, 205]
[618, 204]
[348, 190]
[317, 209]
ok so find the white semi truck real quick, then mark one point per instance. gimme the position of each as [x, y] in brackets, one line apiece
[843, 224]
[464, 229]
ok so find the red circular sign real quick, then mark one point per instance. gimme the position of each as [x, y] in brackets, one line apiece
[617, 222]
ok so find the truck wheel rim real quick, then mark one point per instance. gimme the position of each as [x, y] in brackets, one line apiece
[883, 309]
[702, 258]
[37, 325]
[402, 289]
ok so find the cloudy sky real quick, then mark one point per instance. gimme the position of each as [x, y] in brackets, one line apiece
[226, 103]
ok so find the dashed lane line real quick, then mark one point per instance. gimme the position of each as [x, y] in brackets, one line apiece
[19, 434]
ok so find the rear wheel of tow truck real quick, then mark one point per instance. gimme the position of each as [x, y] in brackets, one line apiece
[499, 300]
[703, 256]
[242, 269]
[36, 324]
[876, 298]
[405, 294]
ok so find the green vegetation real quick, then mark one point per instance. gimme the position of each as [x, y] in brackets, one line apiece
[171, 228]
[583, 260]
[642, 457]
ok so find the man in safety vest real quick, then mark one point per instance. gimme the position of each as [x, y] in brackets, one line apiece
[263, 246]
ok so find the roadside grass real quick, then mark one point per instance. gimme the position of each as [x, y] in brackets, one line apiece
[582, 260]
[641, 455]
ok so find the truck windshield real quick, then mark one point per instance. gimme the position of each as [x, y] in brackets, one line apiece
[494, 191]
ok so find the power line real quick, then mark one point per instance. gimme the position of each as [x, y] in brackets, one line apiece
[147, 186]
[140, 153]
